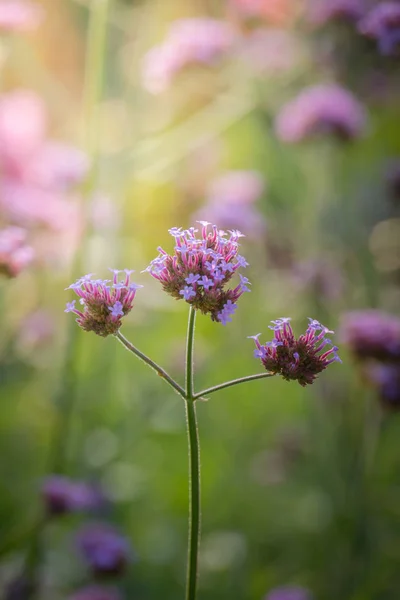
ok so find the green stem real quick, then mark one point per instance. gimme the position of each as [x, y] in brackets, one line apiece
[153, 365]
[189, 354]
[194, 500]
[221, 386]
[194, 465]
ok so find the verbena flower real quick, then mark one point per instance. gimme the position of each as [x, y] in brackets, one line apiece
[321, 109]
[200, 269]
[61, 495]
[289, 593]
[96, 592]
[300, 359]
[104, 549]
[372, 334]
[382, 23]
[103, 302]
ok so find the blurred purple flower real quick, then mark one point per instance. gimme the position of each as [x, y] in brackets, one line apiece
[189, 42]
[15, 253]
[214, 258]
[321, 109]
[321, 12]
[236, 187]
[299, 359]
[96, 592]
[386, 378]
[289, 593]
[19, 15]
[230, 197]
[61, 495]
[36, 174]
[104, 302]
[372, 334]
[382, 23]
[105, 550]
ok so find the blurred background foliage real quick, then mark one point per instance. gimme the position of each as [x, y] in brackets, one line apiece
[299, 486]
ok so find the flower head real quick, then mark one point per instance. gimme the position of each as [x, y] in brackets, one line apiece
[300, 359]
[372, 334]
[62, 495]
[15, 254]
[105, 550]
[321, 109]
[96, 592]
[382, 23]
[289, 593]
[104, 302]
[200, 269]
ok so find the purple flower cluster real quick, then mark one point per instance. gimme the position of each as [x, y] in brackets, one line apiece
[61, 495]
[230, 202]
[104, 302]
[104, 549]
[200, 268]
[374, 339]
[321, 109]
[382, 23]
[299, 359]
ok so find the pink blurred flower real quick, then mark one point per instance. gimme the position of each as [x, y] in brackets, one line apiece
[19, 15]
[229, 202]
[382, 23]
[15, 253]
[321, 12]
[36, 174]
[321, 109]
[236, 187]
[189, 42]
